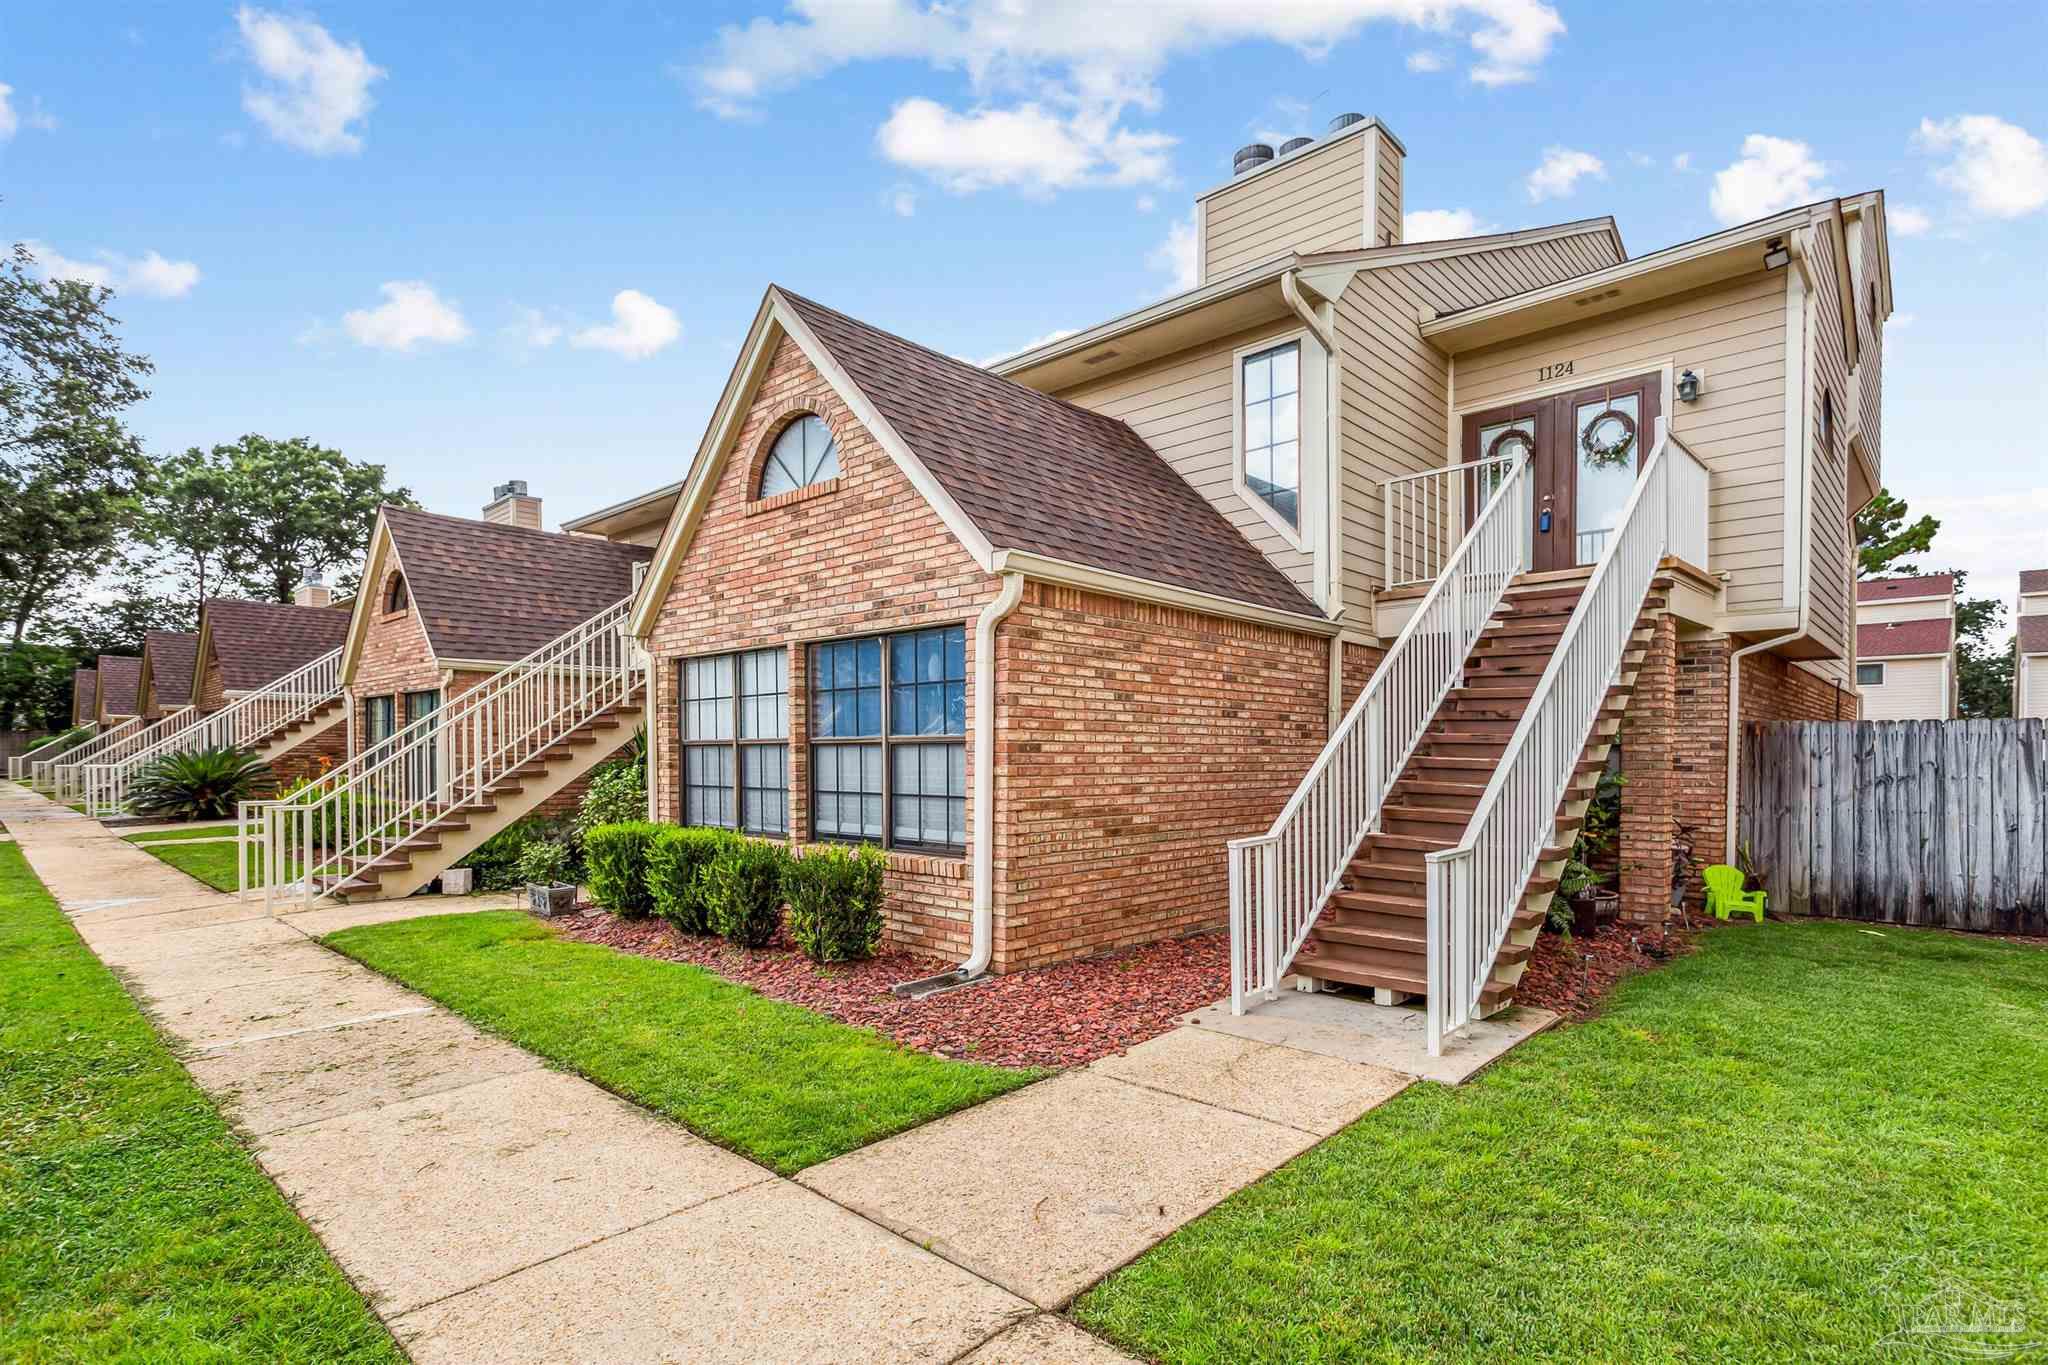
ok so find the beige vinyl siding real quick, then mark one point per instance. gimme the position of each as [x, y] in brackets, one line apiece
[1912, 690]
[1387, 201]
[1830, 566]
[1877, 613]
[2033, 685]
[1397, 387]
[1869, 418]
[2033, 603]
[1313, 201]
[1181, 406]
[1734, 333]
[647, 534]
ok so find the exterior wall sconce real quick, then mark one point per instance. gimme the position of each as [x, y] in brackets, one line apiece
[1776, 254]
[1688, 387]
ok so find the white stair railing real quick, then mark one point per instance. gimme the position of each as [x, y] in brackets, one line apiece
[299, 847]
[243, 723]
[1427, 515]
[131, 736]
[19, 766]
[1475, 887]
[1280, 880]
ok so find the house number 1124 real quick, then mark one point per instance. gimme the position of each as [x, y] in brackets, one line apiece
[1549, 372]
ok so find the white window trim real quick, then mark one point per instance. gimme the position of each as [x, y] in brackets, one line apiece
[1313, 428]
[1877, 664]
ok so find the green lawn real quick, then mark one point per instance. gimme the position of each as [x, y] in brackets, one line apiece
[154, 836]
[213, 864]
[132, 1225]
[771, 1080]
[1796, 1142]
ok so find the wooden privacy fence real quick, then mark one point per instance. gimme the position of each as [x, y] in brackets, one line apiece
[1933, 822]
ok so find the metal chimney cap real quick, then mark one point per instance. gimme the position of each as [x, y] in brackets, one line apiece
[1294, 144]
[312, 577]
[1250, 155]
[1343, 121]
[511, 488]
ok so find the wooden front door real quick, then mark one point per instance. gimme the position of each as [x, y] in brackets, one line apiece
[1586, 447]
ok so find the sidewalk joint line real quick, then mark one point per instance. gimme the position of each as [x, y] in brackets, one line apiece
[317, 1028]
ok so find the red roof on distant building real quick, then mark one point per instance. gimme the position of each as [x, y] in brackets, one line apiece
[1897, 639]
[1892, 589]
[2034, 580]
[2034, 633]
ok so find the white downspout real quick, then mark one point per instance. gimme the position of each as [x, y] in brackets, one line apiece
[982, 911]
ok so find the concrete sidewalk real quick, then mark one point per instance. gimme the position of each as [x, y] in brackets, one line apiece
[491, 1208]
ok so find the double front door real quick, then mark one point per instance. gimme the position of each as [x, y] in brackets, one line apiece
[1585, 448]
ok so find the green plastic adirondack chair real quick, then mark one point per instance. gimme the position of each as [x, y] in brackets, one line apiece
[1725, 895]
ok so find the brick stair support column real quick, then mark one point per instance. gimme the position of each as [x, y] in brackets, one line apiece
[1650, 740]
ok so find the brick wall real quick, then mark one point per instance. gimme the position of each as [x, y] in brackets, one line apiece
[212, 692]
[1360, 662]
[1135, 741]
[861, 554]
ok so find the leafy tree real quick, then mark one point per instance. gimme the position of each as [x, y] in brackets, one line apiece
[302, 506]
[1983, 668]
[70, 472]
[1884, 537]
[193, 517]
[35, 685]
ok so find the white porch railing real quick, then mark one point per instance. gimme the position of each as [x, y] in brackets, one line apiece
[297, 848]
[1474, 888]
[1280, 880]
[131, 736]
[19, 765]
[243, 723]
[1427, 515]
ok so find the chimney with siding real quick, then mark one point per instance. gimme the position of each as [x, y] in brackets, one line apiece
[511, 506]
[312, 591]
[1338, 192]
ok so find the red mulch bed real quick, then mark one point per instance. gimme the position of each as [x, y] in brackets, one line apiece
[1574, 975]
[1058, 1016]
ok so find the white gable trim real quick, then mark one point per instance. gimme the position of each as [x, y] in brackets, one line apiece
[777, 319]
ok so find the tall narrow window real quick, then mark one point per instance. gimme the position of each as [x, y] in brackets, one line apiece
[889, 752]
[380, 717]
[736, 741]
[394, 595]
[803, 454]
[1272, 428]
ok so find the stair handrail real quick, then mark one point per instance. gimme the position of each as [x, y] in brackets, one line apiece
[1473, 887]
[1281, 880]
[243, 723]
[19, 766]
[1420, 514]
[138, 732]
[440, 763]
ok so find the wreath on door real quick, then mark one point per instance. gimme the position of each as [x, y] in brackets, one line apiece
[1609, 440]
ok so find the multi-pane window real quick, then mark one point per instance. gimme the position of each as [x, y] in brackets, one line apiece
[888, 731]
[803, 454]
[1272, 428]
[1870, 675]
[736, 741]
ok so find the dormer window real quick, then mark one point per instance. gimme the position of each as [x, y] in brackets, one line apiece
[805, 453]
[1271, 384]
[395, 598]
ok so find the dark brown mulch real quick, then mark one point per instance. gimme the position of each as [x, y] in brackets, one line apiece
[1573, 975]
[1058, 1016]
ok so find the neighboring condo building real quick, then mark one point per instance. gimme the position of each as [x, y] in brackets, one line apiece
[2030, 647]
[1906, 647]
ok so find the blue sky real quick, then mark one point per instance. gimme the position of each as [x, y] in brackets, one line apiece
[521, 241]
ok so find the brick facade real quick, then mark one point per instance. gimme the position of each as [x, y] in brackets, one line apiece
[1360, 663]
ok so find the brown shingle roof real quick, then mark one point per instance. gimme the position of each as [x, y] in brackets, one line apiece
[257, 643]
[85, 695]
[2034, 580]
[1891, 589]
[1037, 474]
[118, 676]
[2033, 633]
[500, 592]
[1891, 639]
[172, 655]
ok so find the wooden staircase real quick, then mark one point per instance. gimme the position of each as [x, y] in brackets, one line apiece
[286, 738]
[1372, 933]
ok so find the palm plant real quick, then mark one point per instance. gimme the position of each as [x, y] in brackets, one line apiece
[200, 784]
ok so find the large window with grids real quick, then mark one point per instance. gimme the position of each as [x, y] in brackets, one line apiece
[1270, 383]
[888, 740]
[736, 741]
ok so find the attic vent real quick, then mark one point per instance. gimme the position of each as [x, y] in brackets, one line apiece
[1595, 298]
[1250, 157]
[1100, 356]
[1294, 144]
[1343, 121]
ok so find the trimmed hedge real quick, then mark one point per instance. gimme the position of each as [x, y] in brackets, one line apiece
[835, 902]
[615, 858]
[743, 891]
[675, 865]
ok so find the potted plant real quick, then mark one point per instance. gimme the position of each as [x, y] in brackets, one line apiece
[1584, 901]
[544, 866]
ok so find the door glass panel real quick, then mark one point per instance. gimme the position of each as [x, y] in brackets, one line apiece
[1500, 445]
[1606, 437]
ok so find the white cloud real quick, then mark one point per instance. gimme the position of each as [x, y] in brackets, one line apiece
[411, 313]
[1028, 147]
[1898, 320]
[903, 202]
[1641, 159]
[1682, 162]
[639, 327]
[1437, 225]
[1773, 174]
[1561, 171]
[1423, 63]
[148, 276]
[1057, 334]
[1176, 256]
[1146, 203]
[1991, 536]
[1999, 168]
[315, 87]
[1907, 221]
[533, 330]
[11, 119]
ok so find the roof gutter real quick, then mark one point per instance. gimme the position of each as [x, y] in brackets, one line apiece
[1290, 289]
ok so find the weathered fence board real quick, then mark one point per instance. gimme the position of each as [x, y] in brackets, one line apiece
[1901, 821]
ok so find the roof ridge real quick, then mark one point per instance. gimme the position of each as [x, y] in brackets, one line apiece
[499, 527]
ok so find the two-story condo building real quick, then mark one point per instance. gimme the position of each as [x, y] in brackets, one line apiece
[1906, 647]
[2030, 645]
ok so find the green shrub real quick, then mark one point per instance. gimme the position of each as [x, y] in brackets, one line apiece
[835, 902]
[59, 743]
[743, 891]
[615, 859]
[543, 862]
[617, 794]
[496, 861]
[200, 784]
[675, 866]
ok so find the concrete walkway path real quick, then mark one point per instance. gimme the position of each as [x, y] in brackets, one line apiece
[491, 1208]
